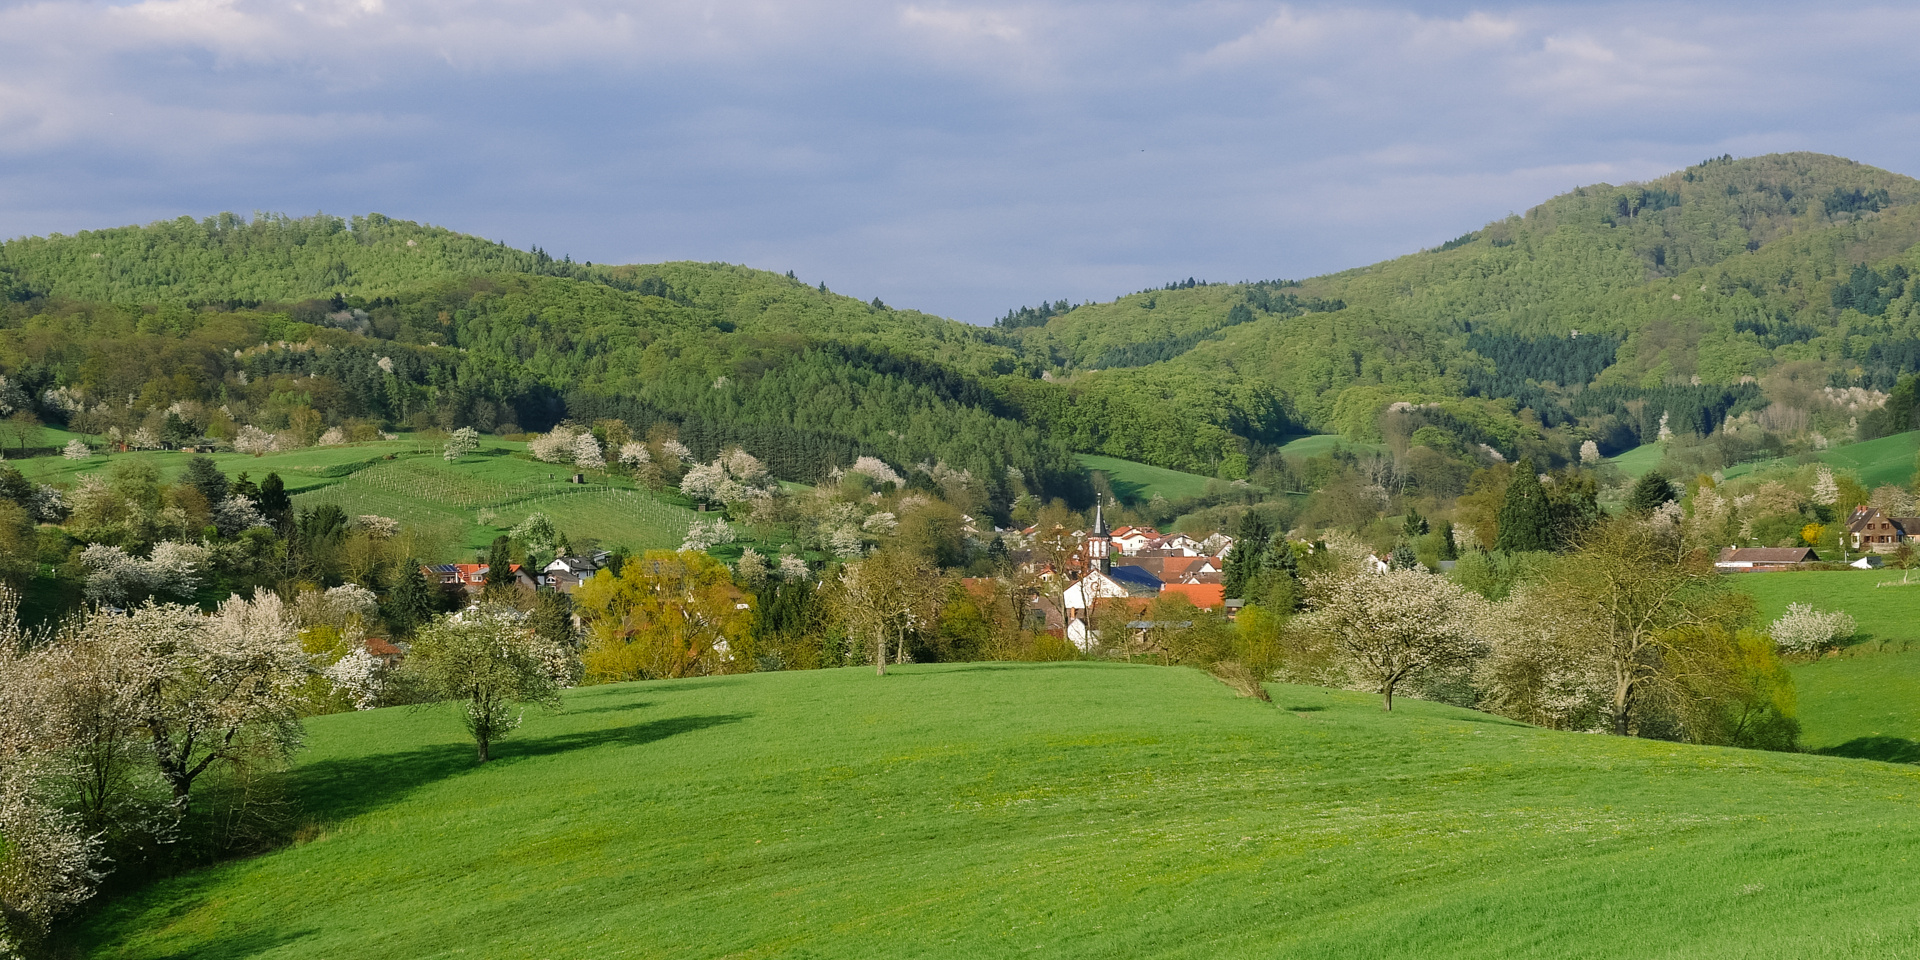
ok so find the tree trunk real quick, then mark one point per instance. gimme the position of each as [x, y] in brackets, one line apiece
[1387, 694]
[880, 656]
[480, 743]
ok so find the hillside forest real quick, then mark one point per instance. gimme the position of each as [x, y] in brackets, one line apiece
[1593, 396]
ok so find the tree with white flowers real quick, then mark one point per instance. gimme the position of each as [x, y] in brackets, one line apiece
[490, 665]
[460, 443]
[76, 450]
[1802, 629]
[1388, 628]
[587, 454]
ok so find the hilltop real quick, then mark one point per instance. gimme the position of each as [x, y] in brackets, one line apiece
[1042, 810]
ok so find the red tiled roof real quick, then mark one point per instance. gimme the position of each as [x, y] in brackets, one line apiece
[381, 648]
[1206, 596]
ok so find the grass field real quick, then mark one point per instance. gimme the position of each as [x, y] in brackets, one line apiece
[1888, 616]
[1636, 462]
[1864, 701]
[1063, 810]
[1315, 444]
[1138, 482]
[420, 489]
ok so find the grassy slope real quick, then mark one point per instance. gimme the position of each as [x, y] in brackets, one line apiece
[1866, 701]
[421, 489]
[1636, 462]
[1138, 482]
[1056, 810]
[1874, 462]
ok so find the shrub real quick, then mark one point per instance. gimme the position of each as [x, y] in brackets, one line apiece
[1802, 629]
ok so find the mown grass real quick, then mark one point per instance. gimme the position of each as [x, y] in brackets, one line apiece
[1136, 483]
[1067, 810]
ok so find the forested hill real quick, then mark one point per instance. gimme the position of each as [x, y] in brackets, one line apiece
[394, 325]
[1596, 315]
[1679, 289]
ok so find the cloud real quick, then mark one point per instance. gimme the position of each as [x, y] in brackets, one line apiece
[958, 156]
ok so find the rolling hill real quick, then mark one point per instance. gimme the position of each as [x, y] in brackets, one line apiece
[1600, 311]
[1067, 810]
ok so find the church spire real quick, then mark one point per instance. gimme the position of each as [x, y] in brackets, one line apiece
[1100, 541]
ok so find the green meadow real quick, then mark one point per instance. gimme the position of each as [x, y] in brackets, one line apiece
[1639, 460]
[1058, 810]
[1138, 482]
[464, 504]
[1863, 700]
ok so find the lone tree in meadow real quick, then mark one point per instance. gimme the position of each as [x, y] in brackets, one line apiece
[491, 665]
[1388, 628]
[1525, 522]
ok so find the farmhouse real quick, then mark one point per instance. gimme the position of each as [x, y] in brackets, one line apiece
[1870, 530]
[1757, 559]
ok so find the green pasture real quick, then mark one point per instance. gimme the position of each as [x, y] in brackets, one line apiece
[1057, 810]
[1876, 462]
[1888, 616]
[1316, 444]
[1864, 700]
[409, 481]
[1636, 462]
[1136, 483]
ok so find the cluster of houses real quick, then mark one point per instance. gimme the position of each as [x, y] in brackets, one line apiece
[1130, 567]
[564, 574]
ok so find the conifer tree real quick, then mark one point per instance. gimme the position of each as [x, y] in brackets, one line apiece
[1415, 525]
[1243, 561]
[1652, 490]
[1449, 548]
[499, 565]
[1403, 558]
[1524, 520]
[412, 601]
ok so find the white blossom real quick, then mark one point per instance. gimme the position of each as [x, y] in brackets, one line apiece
[876, 470]
[752, 568]
[1826, 490]
[460, 443]
[254, 441]
[76, 450]
[587, 454]
[333, 437]
[634, 454]
[1589, 453]
[358, 675]
[793, 568]
[703, 534]
[1802, 629]
[677, 450]
[555, 446]
[237, 514]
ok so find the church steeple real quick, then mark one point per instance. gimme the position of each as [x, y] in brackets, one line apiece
[1100, 541]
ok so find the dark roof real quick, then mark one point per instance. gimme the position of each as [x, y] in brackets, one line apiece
[1767, 555]
[1135, 577]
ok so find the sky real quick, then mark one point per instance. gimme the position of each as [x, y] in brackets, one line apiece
[959, 158]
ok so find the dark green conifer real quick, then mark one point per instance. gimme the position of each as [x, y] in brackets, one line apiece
[1525, 522]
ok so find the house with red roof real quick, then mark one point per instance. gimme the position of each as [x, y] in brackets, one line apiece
[469, 577]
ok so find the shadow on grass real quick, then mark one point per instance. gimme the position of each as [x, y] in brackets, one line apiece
[1888, 749]
[340, 789]
[240, 946]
